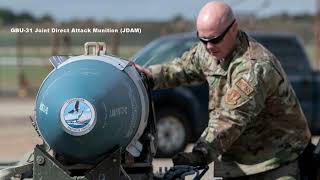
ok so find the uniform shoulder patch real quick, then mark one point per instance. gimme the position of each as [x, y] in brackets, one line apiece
[232, 97]
[244, 86]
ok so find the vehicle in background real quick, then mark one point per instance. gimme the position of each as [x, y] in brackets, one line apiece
[182, 112]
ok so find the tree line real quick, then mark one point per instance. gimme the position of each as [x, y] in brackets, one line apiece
[7, 17]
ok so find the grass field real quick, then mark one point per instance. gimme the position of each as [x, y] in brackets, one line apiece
[34, 75]
[46, 52]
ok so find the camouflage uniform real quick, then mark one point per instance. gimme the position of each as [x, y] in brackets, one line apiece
[256, 123]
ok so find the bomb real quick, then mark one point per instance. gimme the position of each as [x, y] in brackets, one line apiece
[89, 105]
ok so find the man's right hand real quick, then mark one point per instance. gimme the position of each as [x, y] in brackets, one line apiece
[146, 71]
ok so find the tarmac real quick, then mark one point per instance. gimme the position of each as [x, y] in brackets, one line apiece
[17, 135]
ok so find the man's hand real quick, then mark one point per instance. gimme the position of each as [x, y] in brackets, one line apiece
[146, 71]
[195, 158]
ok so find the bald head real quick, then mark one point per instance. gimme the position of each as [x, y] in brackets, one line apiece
[216, 21]
[215, 17]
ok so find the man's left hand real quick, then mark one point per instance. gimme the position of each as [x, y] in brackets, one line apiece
[195, 158]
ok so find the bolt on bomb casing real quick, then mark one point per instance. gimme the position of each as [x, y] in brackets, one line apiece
[90, 104]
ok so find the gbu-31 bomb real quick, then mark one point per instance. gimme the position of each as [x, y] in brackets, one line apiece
[91, 104]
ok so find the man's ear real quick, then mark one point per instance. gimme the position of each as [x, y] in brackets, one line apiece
[235, 27]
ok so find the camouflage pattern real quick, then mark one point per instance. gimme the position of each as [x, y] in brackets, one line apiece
[286, 172]
[256, 123]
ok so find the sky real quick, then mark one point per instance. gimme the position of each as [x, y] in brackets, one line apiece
[65, 10]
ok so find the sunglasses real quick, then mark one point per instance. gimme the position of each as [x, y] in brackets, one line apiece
[217, 39]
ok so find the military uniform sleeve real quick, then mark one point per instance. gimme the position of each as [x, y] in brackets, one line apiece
[183, 70]
[243, 101]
